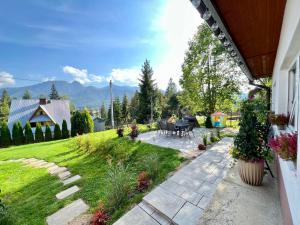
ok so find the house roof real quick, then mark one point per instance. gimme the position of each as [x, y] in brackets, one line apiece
[218, 114]
[250, 28]
[22, 110]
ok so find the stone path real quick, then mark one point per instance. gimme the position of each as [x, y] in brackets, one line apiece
[70, 212]
[182, 198]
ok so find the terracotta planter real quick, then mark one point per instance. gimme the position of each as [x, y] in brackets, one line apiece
[251, 172]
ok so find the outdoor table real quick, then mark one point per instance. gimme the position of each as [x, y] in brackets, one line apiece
[181, 126]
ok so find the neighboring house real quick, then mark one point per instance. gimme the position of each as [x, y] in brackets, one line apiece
[99, 124]
[264, 38]
[41, 111]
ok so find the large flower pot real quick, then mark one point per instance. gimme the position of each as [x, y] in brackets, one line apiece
[251, 172]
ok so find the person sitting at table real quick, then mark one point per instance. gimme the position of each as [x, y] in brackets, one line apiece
[172, 119]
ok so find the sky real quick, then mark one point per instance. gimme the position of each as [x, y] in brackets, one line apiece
[92, 41]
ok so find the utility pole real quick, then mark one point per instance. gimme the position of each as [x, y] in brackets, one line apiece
[111, 106]
[151, 105]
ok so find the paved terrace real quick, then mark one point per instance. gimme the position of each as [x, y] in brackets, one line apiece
[183, 197]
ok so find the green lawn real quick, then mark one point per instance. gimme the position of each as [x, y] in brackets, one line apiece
[30, 192]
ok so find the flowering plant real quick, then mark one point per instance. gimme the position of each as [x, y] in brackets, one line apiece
[285, 146]
[120, 132]
[134, 132]
[143, 181]
[100, 217]
[279, 119]
[201, 147]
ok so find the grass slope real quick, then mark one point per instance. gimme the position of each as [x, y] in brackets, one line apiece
[37, 188]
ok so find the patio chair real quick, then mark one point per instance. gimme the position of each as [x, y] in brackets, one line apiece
[189, 130]
[163, 126]
[171, 129]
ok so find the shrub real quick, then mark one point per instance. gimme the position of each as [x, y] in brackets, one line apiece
[85, 143]
[219, 134]
[208, 123]
[88, 123]
[39, 135]
[212, 137]
[100, 217]
[134, 132]
[120, 132]
[205, 140]
[201, 147]
[152, 165]
[120, 184]
[28, 134]
[77, 124]
[57, 132]
[17, 139]
[65, 131]
[143, 181]
[5, 138]
[21, 133]
[48, 133]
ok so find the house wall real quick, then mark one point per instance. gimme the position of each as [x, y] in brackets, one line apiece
[288, 53]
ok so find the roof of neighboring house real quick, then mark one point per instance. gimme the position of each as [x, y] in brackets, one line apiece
[218, 114]
[23, 110]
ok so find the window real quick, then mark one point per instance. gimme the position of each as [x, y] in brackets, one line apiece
[292, 95]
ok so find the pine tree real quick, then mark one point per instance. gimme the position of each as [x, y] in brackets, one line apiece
[88, 123]
[4, 106]
[48, 133]
[77, 123]
[54, 94]
[65, 131]
[103, 111]
[21, 133]
[125, 110]
[117, 111]
[171, 89]
[147, 93]
[57, 132]
[134, 106]
[16, 138]
[26, 95]
[5, 138]
[39, 135]
[28, 134]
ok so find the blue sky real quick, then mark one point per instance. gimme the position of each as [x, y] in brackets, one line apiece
[92, 41]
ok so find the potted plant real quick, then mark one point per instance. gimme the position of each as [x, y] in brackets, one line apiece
[250, 147]
[285, 146]
[134, 132]
[120, 132]
[282, 120]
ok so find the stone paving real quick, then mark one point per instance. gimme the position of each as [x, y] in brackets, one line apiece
[70, 212]
[182, 198]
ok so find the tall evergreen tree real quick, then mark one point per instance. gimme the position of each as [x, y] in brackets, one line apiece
[103, 112]
[57, 132]
[5, 138]
[65, 131]
[16, 138]
[88, 123]
[171, 88]
[54, 93]
[117, 111]
[77, 124]
[48, 133]
[28, 134]
[4, 106]
[125, 110]
[39, 135]
[21, 133]
[26, 95]
[147, 93]
[134, 106]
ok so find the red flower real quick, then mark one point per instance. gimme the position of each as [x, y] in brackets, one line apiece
[100, 217]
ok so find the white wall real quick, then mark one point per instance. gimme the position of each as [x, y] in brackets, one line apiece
[288, 53]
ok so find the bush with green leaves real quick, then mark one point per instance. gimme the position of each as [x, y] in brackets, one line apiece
[21, 132]
[120, 184]
[212, 137]
[219, 136]
[208, 123]
[28, 134]
[39, 135]
[17, 138]
[152, 165]
[88, 125]
[48, 133]
[5, 218]
[64, 131]
[57, 132]
[205, 139]
[249, 142]
[5, 138]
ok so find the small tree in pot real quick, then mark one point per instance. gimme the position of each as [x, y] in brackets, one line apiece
[250, 149]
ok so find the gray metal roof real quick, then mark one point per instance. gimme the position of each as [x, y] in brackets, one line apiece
[22, 110]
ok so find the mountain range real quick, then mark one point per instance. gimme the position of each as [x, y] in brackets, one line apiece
[80, 95]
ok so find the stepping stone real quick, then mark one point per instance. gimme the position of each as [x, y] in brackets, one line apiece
[188, 215]
[136, 216]
[48, 165]
[204, 202]
[64, 175]
[57, 170]
[68, 213]
[71, 179]
[168, 204]
[66, 193]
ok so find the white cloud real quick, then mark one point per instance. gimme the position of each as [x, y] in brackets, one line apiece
[79, 75]
[53, 78]
[96, 78]
[6, 79]
[128, 76]
[177, 21]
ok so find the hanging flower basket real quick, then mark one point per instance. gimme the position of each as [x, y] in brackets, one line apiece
[285, 146]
